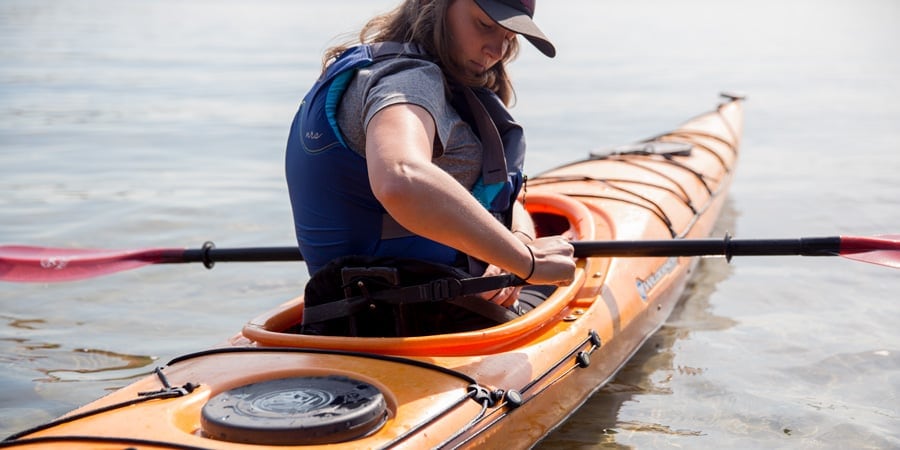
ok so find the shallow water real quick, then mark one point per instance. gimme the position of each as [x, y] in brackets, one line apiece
[162, 124]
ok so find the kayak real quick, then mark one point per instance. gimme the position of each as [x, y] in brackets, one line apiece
[506, 385]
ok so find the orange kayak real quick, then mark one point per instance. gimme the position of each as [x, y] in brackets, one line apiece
[505, 386]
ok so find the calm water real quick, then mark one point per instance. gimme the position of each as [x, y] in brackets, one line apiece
[162, 124]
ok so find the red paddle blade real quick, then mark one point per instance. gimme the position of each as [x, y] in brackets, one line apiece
[883, 250]
[42, 264]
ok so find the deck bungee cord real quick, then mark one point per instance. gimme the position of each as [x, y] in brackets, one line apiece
[166, 392]
[655, 150]
[474, 392]
[613, 183]
[648, 204]
[515, 399]
[652, 206]
[100, 440]
[509, 398]
[691, 135]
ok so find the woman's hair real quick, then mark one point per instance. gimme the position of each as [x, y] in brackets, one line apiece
[423, 22]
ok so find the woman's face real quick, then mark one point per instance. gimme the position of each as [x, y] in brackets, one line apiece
[477, 42]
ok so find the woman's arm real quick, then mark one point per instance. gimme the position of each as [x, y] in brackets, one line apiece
[522, 225]
[430, 202]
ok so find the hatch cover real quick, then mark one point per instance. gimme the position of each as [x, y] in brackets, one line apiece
[295, 411]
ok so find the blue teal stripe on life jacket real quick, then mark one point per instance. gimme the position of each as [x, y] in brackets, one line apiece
[333, 99]
[486, 193]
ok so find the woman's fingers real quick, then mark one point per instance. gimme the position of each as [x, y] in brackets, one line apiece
[554, 261]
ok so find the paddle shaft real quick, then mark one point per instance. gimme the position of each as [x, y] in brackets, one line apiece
[210, 255]
[824, 246]
[727, 247]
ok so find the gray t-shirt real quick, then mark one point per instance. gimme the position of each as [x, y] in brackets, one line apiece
[409, 80]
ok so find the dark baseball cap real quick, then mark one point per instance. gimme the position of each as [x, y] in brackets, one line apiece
[516, 15]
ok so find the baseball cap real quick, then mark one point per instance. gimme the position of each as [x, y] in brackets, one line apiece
[516, 16]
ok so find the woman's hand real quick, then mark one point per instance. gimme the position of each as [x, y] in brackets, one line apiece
[553, 264]
[503, 297]
[554, 261]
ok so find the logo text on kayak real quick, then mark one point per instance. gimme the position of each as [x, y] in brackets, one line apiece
[645, 286]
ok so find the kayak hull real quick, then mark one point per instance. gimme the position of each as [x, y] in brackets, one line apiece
[506, 386]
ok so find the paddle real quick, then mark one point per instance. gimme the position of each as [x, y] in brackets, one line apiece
[44, 265]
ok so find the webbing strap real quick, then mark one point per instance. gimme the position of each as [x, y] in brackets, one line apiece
[442, 289]
[493, 166]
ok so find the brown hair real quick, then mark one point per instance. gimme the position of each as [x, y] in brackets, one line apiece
[423, 22]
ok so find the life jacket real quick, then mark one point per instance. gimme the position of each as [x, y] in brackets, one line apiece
[335, 212]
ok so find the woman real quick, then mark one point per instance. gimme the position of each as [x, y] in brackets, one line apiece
[388, 156]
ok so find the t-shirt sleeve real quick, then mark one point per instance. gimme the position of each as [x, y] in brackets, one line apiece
[391, 82]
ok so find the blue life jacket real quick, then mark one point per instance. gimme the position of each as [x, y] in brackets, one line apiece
[335, 212]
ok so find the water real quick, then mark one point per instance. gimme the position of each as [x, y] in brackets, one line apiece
[162, 124]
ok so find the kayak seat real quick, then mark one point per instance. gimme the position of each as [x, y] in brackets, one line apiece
[366, 296]
[532, 296]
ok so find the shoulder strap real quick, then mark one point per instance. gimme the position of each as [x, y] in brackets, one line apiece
[493, 168]
[393, 49]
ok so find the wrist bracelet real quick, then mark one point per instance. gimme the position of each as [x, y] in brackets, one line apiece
[524, 234]
[531, 272]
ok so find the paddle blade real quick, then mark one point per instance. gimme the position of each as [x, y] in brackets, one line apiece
[882, 250]
[43, 264]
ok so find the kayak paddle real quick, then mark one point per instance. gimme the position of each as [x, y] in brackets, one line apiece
[44, 265]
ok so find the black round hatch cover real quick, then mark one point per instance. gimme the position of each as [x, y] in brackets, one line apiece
[295, 411]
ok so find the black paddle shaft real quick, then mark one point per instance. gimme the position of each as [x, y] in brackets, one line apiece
[209, 255]
[727, 247]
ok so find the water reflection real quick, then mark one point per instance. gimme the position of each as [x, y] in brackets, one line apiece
[95, 365]
[60, 364]
[26, 324]
[44, 378]
[651, 371]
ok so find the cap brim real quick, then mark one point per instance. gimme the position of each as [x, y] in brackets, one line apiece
[517, 21]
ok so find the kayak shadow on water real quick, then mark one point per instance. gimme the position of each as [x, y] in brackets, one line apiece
[648, 372]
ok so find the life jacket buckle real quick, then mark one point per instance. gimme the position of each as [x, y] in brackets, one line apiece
[440, 289]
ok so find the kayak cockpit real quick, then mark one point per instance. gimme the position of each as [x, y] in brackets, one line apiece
[553, 214]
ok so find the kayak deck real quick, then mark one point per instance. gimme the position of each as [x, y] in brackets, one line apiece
[507, 385]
